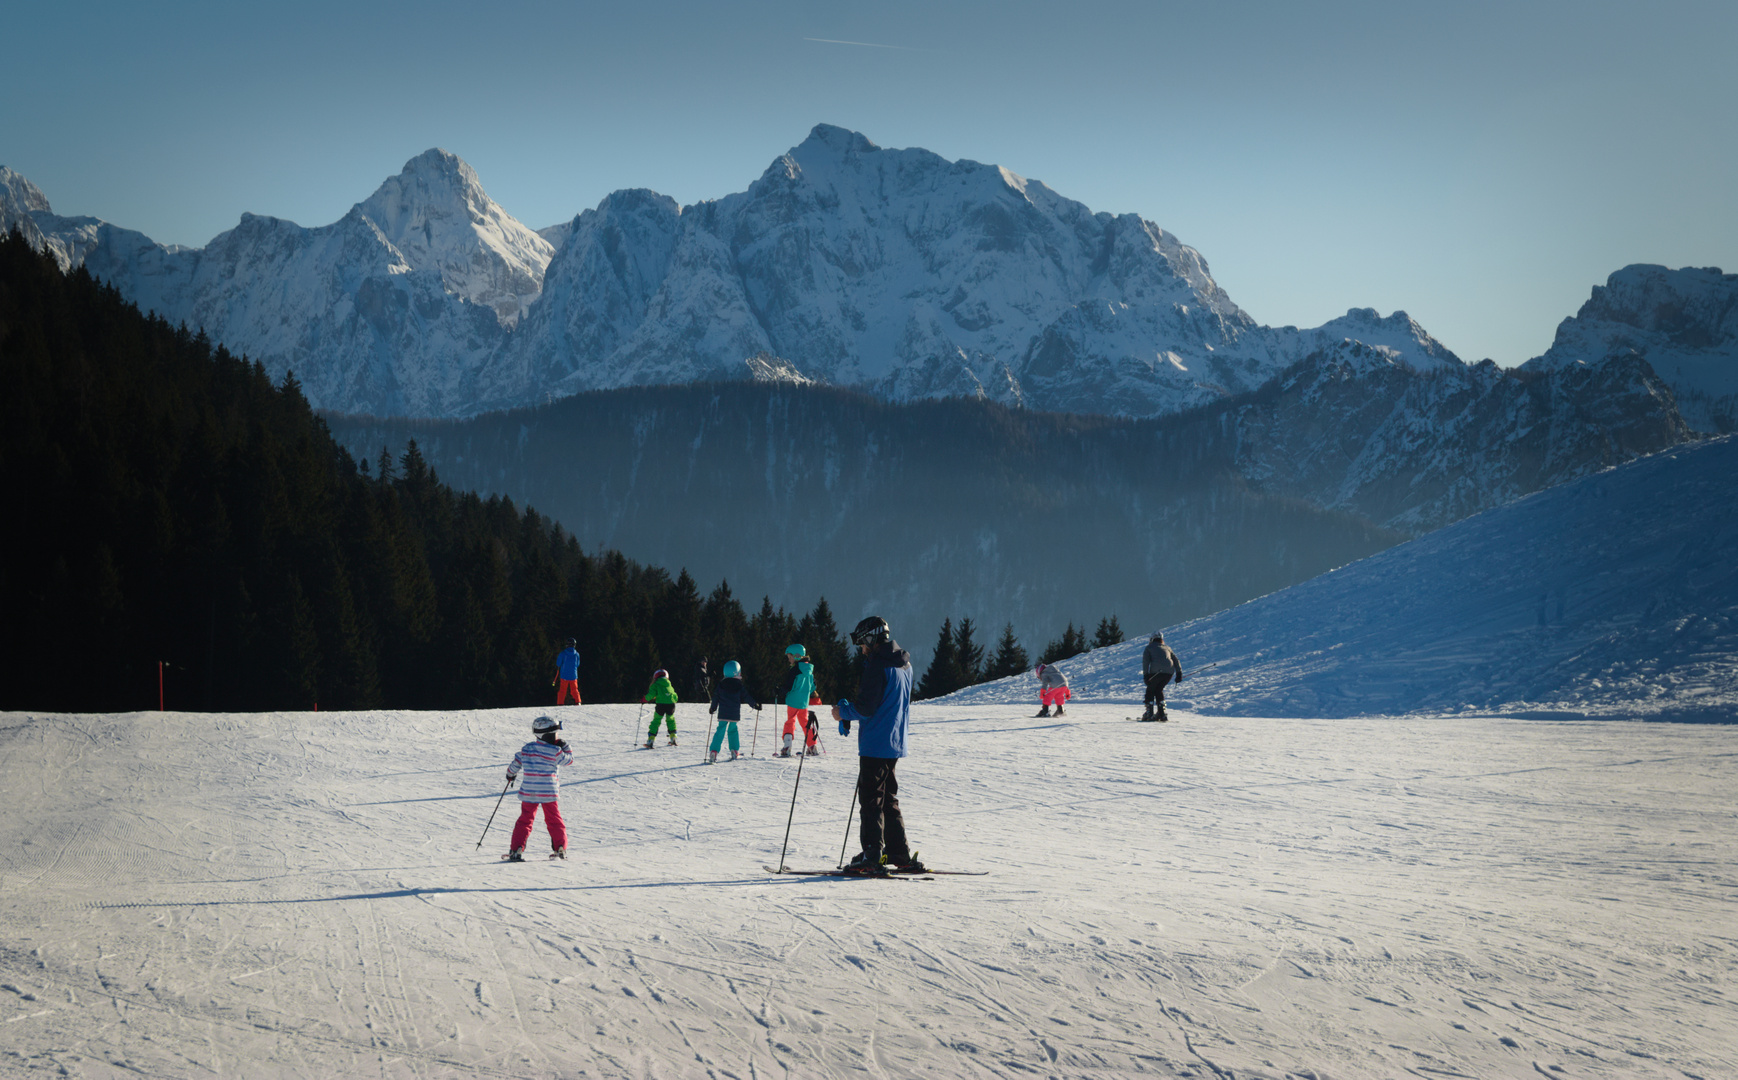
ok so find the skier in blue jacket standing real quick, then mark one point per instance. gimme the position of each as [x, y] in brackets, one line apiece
[883, 708]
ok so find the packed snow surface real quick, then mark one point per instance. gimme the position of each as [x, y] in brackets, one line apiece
[1611, 596]
[302, 894]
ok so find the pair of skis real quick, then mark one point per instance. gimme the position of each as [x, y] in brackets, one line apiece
[841, 873]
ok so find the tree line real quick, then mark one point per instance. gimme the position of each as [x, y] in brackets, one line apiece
[960, 661]
[170, 504]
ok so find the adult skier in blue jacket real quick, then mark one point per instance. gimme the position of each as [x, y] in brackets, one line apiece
[567, 673]
[883, 708]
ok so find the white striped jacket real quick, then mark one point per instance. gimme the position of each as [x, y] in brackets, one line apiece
[538, 760]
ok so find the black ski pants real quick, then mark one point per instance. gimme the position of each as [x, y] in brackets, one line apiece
[1156, 687]
[883, 827]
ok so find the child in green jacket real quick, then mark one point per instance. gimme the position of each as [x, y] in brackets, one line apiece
[663, 695]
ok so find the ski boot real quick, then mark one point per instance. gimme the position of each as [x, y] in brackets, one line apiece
[1058, 710]
[1163, 716]
[734, 754]
[650, 745]
[911, 864]
[1148, 715]
[1042, 713]
[711, 757]
[812, 750]
[672, 738]
[786, 751]
[560, 853]
[516, 855]
[865, 863]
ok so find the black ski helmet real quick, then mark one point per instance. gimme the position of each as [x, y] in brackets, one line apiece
[872, 631]
[572, 643]
[545, 725]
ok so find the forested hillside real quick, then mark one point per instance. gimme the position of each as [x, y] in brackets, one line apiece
[168, 502]
[918, 512]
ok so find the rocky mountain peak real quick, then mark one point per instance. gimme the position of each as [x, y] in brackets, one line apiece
[436, 213]
[1684, 323]
[18, 192]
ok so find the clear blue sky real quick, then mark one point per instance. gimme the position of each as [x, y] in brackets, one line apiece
[1479, 165]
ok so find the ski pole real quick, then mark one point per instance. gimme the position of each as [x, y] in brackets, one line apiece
[638, 718]
[756, 740]
[849, 814]
[788, 820]
[492, 814]
[708, 747]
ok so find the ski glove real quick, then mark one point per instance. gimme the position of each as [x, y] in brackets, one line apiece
[511, 777]
[561, 743]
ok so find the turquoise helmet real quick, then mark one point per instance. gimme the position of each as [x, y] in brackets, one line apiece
[796, 650]
[732, 669]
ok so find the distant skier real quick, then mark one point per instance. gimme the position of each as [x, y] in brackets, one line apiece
[538, 760]
[1052, 688]
[798, 685]
[727, 701]
[701, 684]
[664, 698]
[883, 707]
[567, 673]
[1159, 665]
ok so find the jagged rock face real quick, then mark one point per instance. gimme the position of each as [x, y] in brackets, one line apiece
[1683, 322]
[436, 214]
[394, 309]
[1352, 428]
[20, 201]
[895, 271]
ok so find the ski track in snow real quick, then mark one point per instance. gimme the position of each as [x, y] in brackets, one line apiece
[197, 895]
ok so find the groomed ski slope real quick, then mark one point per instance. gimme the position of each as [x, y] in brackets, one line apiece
[300, 894]
[1613, 596]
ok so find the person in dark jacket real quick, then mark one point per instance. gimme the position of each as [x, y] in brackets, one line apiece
[727, 701]
[883, 708]
[1159, 665]
[702, 682]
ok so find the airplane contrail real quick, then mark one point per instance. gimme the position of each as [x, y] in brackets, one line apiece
[865, 44]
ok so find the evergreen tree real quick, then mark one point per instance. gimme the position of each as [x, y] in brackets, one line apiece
[1108, 633]
[943, 675]
[968, 654]
[1071, 643]
[829, 651]
[1010, 658]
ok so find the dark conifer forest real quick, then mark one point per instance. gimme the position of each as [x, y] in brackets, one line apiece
[167, 502]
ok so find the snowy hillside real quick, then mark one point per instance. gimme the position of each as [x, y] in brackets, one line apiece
[302, 894]
[895, 271]
[1612, 596]
[1683, 322]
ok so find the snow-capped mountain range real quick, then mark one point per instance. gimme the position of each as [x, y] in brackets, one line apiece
[895, 271]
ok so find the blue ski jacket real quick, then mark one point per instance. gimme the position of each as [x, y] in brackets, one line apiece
[883, 705]
[567, 664]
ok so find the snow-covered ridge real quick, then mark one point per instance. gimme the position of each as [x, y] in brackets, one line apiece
[1612, 596]
[1683, 322]
[897, 271]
